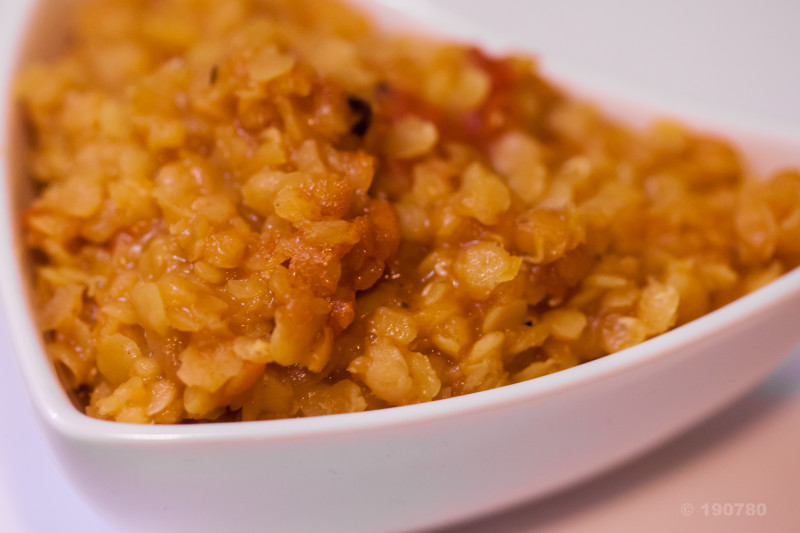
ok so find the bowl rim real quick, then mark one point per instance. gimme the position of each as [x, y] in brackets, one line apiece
[57, 412]
[54, 407]
[420, 16]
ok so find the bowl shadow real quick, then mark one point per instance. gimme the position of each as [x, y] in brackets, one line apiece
[621, 482]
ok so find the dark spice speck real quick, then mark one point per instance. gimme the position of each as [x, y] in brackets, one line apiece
[363, 113]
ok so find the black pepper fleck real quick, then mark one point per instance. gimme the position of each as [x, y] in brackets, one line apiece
[363, 113]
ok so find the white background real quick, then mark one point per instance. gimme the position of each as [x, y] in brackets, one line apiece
[736, 56]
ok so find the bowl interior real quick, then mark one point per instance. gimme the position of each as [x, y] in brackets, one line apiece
[765, 147]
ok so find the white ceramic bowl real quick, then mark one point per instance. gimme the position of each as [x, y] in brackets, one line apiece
[407, 468]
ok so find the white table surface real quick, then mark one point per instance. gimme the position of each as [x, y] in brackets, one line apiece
[738, 55]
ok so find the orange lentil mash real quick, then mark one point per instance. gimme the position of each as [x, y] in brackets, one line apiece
[259, 209]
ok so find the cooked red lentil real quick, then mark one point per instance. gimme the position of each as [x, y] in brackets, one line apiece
[258, 209]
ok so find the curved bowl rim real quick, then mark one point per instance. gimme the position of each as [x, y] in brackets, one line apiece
[58, 413]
